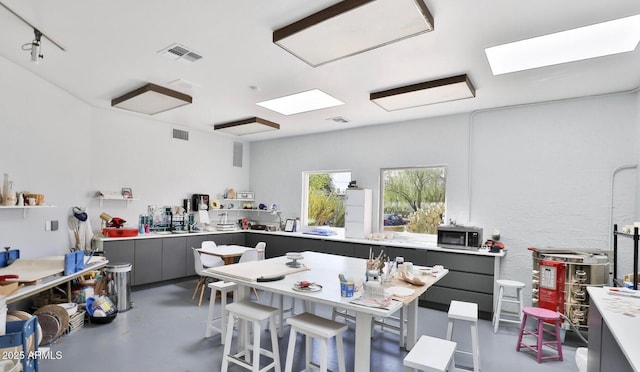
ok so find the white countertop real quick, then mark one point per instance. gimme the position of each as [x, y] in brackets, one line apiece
[624, 328]
[340, 238]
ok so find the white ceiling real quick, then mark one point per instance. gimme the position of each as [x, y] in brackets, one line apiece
[111, 48]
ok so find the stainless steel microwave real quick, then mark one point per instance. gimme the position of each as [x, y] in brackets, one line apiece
[460, 237]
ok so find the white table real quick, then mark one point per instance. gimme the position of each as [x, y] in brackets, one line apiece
[228, 253]
[614, 325]
[323, 269]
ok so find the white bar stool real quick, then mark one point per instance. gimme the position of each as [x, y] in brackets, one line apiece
[431, 354]
[223, 288]
[255, 313]
[502, 298]
[313, 326]
[467, 312]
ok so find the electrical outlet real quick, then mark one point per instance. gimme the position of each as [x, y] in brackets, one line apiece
[54, 225]
[47, 225]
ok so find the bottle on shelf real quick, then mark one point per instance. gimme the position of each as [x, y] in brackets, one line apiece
[9, 196]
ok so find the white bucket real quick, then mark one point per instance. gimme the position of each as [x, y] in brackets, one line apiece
[581, 358]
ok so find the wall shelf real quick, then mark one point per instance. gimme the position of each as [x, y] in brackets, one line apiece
[636, 238]
[127, 200]
[25, 207]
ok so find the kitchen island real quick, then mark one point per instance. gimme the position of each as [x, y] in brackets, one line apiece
[614, 325]
[159, 257]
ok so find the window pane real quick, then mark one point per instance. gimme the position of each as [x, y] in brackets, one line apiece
[325, 198]
[413, 199]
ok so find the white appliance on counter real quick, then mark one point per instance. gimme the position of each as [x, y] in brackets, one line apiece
[357, 215]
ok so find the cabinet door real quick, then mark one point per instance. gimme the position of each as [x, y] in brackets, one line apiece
[174, 258]
[223, 239]
[355, 197]
[416, 256]
[354, 213]
[120, 251]
[339, 248]
[461, 262]
[148, 258]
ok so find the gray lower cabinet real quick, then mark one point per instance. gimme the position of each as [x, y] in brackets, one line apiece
[338, 248]
[174, 258]
[415, 256]
[278, 245]
[470, 279]
[148, 261]
[120, 251]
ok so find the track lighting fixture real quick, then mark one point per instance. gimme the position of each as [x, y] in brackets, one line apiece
[34, 47]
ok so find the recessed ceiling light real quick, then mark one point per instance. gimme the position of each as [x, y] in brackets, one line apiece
[602, 39]
[310, 100]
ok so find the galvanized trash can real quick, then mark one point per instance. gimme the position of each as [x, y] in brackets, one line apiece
[119, 285]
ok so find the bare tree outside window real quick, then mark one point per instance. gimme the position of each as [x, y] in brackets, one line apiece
[414, 199]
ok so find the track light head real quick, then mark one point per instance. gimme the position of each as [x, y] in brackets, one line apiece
[34, 47]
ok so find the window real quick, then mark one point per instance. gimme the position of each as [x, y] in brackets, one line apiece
[323, 203]
[413, 200]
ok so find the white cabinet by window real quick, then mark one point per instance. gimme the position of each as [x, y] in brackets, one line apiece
[357, 217]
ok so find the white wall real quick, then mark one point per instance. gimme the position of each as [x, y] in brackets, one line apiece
[540, 174]
[55, 144]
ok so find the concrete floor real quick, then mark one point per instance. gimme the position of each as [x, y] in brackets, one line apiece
[164, 331]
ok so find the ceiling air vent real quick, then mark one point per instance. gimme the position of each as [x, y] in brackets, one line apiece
[339, 119]
[180, 53]
[181, 134]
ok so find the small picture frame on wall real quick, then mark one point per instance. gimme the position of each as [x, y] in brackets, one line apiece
[127, 193]
[290, 225]
[244, 195]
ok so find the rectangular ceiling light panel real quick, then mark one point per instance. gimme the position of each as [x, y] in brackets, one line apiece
[427, 93]
[310, 100]
[247, 126]
[351, 27]
[151, 99]
[602, 39]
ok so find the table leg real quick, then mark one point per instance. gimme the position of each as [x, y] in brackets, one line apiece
[363, 342]
[244, 293]
[412, 324]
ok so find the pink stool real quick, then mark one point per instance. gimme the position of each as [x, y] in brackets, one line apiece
[541, 315]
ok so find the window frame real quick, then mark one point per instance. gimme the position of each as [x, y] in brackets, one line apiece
[304, 213]
[422, 237]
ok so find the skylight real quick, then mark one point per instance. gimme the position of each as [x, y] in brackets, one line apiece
[598, 40]
[310, 100]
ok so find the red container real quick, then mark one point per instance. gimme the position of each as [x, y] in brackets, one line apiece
[119, 232]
